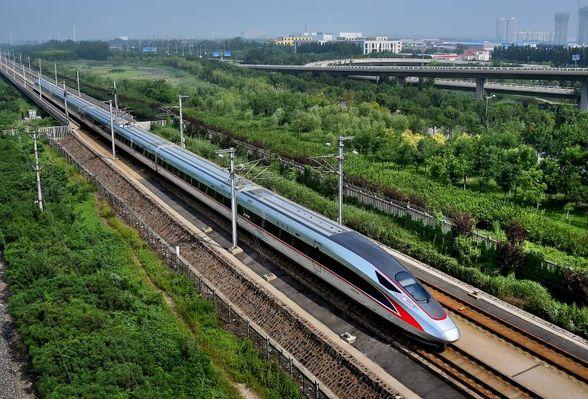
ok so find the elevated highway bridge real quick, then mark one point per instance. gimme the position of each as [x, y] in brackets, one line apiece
[479, 74]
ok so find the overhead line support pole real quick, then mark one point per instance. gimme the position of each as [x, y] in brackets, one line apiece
[182, 138]
[65, 103]
[231, 152]
[115, 94]
[40, 75]
[78, 81]
[112, 131]
[342, 140]
[38, 173]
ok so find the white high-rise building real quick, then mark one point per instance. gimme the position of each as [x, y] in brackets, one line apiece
[379, 44]
[583, 25]
[540, 37]
[506, 29]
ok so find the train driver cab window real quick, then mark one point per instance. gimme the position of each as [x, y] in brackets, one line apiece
[413, 287]
[387, 284]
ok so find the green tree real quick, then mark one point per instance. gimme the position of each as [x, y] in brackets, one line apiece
[512, 163]
[305, 122]
[532, 186]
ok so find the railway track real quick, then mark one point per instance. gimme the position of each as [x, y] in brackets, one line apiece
[452, 364]
[536, 346]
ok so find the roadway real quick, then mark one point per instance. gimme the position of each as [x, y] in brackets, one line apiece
[480, 74]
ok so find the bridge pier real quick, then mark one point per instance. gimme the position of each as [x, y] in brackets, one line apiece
[584, 96]
[480, 88]
[401, 80]
[383, 78]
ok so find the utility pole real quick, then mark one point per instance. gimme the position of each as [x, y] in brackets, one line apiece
[112, 132]
[24, 78]
[231, 151]
[182, 140]
[78, 80]
[55, 68]
[342, 140]
[29, 60]
[65, 102]
[38, 173]
[115, 95]
[40, 74]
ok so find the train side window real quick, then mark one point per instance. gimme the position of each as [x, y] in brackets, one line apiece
[387, 284]
[271, 228]
[256, 219]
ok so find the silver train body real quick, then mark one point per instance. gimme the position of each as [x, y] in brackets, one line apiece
[343, 258]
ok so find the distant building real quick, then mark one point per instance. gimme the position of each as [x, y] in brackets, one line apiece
[476, 54]
[445, 56]
[582, 25]
[118, 43]
[350, 35]
[506, 29]
[321, 37]
[292, 40]
[379, 44]
[562, 20]
[532, 36]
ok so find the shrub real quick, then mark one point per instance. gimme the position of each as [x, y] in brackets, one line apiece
[463, 223]
[511, 252]
[467, 251]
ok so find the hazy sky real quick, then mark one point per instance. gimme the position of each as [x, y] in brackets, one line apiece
[43, 19]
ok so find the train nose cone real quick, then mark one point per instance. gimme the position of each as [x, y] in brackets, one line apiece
[450, 335]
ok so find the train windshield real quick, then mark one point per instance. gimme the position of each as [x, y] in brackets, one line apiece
[415, 290]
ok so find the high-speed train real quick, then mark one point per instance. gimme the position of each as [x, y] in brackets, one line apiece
[343, 258]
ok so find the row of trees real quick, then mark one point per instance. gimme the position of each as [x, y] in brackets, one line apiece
[68, 50]
[552, 54]
[516, 170]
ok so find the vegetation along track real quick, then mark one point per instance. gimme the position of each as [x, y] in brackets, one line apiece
[335, 368]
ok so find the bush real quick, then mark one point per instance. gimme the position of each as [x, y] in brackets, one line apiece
[511, 252]
[467, 251]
